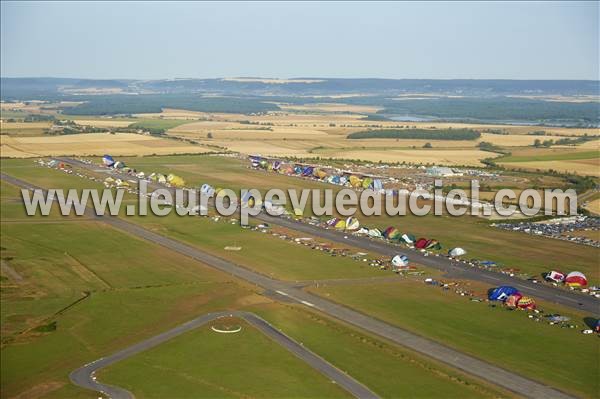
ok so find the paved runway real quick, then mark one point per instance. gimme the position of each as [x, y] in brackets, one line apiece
[84, 376]
[471, 365]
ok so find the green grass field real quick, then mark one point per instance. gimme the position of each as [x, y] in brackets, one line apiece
[136, 291]
[224, 365]
[564, 358]
[103, 289]
[390, 370]
[555, 156]
[165, 124]
[205, 364]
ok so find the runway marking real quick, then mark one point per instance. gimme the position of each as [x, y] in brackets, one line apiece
[281, 293]
[308, 304]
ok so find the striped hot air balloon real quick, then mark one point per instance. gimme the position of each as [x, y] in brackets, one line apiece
[391, 233]
[576, 279]
[513, 300]
[526, 302]
[352, 223]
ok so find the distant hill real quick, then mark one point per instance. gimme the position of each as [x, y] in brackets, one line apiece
[557, 102]
[34, 87]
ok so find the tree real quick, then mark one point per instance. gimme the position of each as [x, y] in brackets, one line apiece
[427, 145]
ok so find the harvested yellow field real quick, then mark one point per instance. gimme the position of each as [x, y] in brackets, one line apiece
[94, 144]
[331, 107]
[171, 113]
[264, 147]
[592, 145]
[594, 206]
[587, 167]
[103, 123]
[206, 126]
[471, 157]
[353, 121]
[24, 128]
[7, 127]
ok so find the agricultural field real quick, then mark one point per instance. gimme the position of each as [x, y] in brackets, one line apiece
[107, 122]
[307, 131]
[21, 129]
[158, 124]
[330, 108]
[584, 161]
[90, 144]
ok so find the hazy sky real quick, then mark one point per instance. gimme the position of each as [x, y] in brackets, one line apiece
[394, 40]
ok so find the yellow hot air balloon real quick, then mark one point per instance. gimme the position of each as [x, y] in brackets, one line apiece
[355, 181]
[175, 180]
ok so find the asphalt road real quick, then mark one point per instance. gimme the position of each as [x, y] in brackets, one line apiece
[84, 376]
[452, 268]
[471, 365]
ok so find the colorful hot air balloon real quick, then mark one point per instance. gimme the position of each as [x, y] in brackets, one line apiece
[332, 222]
[175, 180]
[107, 160]
[307, 171]
[321, 174]
[340, 225]
[400, 261]
[352, 223]
[502, 292]
[391, 233]
[513, 300]
[355, 181]
[526, 302]
[576, 279]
